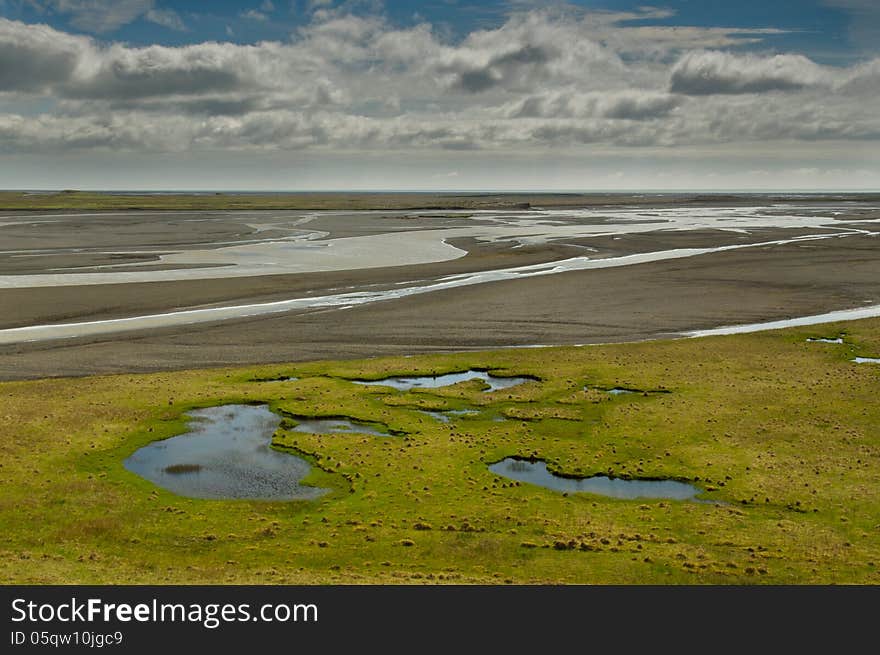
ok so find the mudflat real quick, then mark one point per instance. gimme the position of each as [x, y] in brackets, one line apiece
[662, 268]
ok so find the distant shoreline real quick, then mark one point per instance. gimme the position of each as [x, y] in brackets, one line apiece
[378, 200]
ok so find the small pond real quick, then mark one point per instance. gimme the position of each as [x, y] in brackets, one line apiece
[825, 340]
[337, 426]
[536, 473]
[226, 454]
[406, 383]
[866, 360]
[447, 415]
[619, 391]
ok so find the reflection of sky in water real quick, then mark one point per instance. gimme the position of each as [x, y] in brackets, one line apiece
[284, 247]
[870, 311]
[449, 414]
[432, 245]
[225, 454]
[536, 473]
[867, 360]
[405, 383]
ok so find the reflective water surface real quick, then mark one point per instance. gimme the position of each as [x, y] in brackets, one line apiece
[447, 415]
[226, 454]
[536, 473]
[405, 383]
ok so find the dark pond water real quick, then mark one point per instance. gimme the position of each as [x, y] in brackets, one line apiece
[536, 473]
[435, 382]
[225, 455]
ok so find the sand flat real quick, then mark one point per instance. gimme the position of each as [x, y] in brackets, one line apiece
[560, 276]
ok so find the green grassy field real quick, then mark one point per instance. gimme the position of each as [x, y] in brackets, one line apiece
[782, 433]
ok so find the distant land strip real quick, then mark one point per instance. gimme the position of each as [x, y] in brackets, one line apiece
[402, 201]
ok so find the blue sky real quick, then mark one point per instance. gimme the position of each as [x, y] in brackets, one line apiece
[825, 30]
[439, 94]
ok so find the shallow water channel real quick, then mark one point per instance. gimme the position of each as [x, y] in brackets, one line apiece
[536, 473]
[446, 415]
[405, 383]
[226, 454]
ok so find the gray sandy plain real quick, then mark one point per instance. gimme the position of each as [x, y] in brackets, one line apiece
[762, 259]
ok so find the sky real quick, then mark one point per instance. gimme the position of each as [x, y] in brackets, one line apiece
[593, 95]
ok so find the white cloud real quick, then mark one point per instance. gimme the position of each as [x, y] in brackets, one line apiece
[627, 105]
[166, 18]
[123, 72]
[37, 57]
[539, 82]
[863, 79]
[714, 72]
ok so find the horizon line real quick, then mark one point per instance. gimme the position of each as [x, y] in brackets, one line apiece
[545, 191]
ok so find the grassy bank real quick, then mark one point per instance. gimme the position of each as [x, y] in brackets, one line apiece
[782, 433]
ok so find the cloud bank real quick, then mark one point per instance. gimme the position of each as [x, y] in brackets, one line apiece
[542, 81]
